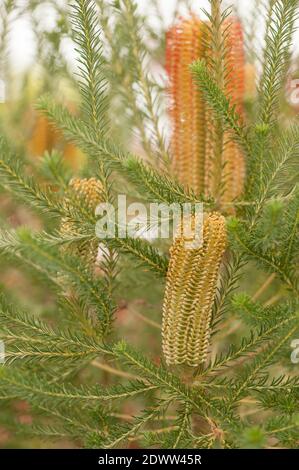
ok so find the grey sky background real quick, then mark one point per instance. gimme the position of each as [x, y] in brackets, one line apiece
[22, 45]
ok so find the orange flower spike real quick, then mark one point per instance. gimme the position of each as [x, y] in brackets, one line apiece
[234, 170]
[193, 124]
[43, 137]
[184, 44]
[236, 64]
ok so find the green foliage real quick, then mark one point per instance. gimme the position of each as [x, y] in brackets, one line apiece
[90, 59]
[13, 178]
[277, 46]
[220, 103]
[146, 100]
[143, 252]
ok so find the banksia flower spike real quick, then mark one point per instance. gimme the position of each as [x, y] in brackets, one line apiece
[87, 193]
[88, 190]
[184, 44]
[192, 143]
[190, 293]
[43, 137]
[233, 159]
[46, 138]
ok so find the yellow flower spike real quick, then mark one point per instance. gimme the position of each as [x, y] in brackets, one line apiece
[89, 193]
[90, 190]
[190, 293]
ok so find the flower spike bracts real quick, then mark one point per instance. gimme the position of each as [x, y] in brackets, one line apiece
[184, 44]
[88, 193]
[192, 145]
[190, 293]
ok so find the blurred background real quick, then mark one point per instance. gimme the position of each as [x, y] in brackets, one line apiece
[23, 46]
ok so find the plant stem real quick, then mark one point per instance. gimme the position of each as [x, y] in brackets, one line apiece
[264, 286]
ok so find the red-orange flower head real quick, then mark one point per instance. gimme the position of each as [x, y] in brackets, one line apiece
[192, 121]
